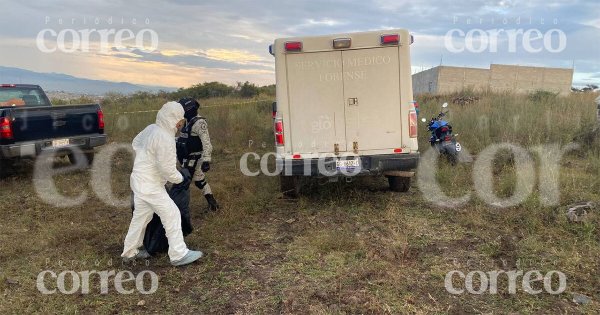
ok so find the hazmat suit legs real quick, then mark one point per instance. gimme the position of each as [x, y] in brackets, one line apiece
[145, 206]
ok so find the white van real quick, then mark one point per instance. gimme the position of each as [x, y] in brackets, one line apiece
[345, 107]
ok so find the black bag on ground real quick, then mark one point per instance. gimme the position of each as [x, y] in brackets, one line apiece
[155, 238]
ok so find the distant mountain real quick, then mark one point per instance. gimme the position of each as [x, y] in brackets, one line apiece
[71, 84]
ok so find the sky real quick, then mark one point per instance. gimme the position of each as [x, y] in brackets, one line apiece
[227, 40]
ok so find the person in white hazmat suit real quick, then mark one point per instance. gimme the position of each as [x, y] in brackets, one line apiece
[155, 164]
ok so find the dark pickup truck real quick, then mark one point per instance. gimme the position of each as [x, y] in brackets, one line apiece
[30, 125]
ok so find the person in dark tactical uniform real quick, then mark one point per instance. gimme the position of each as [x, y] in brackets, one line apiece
[195, 149]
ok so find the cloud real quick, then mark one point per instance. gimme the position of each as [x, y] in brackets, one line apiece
[224, 59]
[325, 22]
[233, 55]
[313, 23]
[228, 40]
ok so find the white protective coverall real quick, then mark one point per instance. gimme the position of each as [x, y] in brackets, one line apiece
[156, 164]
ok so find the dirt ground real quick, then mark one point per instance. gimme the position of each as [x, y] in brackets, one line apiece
[341, 248]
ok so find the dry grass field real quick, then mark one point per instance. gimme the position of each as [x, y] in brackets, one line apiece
[341, 248]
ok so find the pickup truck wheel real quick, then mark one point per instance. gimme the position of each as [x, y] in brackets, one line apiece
[88, 155]
[290, 186]
[5, 166]
[399, 183]
[90, 158]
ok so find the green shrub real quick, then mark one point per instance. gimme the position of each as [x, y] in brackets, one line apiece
[540, 96]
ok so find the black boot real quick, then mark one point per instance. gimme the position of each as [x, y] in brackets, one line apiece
[212, 203]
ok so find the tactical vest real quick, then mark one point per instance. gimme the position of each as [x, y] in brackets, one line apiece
[188, 146]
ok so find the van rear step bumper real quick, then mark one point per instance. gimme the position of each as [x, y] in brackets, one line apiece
[370, 165]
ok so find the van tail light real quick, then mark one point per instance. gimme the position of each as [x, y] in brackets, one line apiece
[6, 131]
[392, 39]
[279, 140]
[293, 46]
[100, 119]
[274, 105]
[416, 106]
[412, 123]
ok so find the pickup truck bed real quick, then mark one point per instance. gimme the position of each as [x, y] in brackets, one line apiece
[30, 126]
[34, 130]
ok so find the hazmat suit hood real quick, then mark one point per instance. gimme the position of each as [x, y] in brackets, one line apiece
[169, 115]
[155, 161]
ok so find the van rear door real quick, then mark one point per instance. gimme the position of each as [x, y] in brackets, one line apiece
[372, 98]
[316, 102]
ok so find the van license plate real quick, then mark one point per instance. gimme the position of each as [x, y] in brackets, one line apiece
[60, 143]
[347, 164]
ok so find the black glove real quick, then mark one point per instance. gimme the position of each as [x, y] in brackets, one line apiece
[187, 177]
[205, 167]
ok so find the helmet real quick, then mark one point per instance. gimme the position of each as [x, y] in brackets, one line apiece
[190, 106]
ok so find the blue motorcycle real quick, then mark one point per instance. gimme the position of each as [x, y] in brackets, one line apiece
[442, 137]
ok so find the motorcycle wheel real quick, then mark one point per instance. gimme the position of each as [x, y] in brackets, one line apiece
[452, 157]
